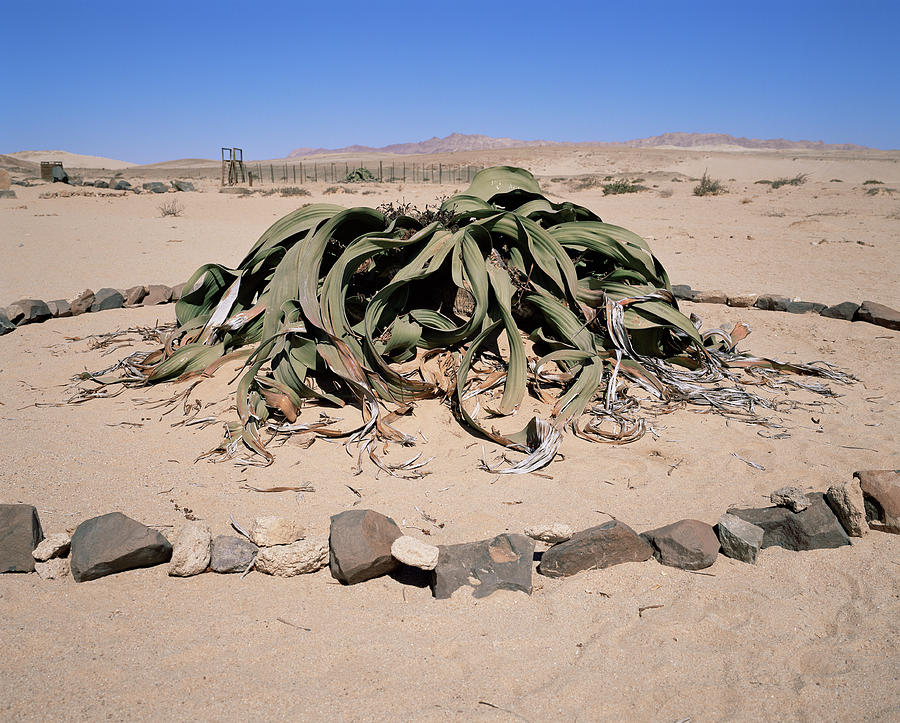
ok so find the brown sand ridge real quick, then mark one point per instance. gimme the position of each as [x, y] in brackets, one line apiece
[811, 635]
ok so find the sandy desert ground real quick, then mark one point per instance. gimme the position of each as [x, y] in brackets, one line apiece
[799, 636]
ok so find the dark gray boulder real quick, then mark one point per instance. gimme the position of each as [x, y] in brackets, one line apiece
[59, 308]
[738, 538]
[688, 544]
[7, 193]
[501, 563]
[846, 310]
[805, 307]
[597, 547]
[772, 302]
[107, 298]
[155, 187]
[101, 184]
[120, 185]
[814, 528]
[183, 186]
[230, 554]
[360, 545]
[682, 292]
[878, 314]
[20, 533]
[113, 543]
[6, 325]
[28, 311]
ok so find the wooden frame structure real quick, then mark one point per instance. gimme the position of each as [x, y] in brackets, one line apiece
[233, 166]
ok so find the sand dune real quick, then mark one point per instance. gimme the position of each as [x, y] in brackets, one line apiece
[72, 160]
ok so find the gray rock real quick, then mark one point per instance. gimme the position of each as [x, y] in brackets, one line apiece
[805, 307]
[101, 184]
[157, 294]
[813, 529]
[135, 295]
[54, 569]
[298, 558]
[59, 308]
[6, 326]
[597, 547]
[231, 554]
[54, 545]
[177, 290]
[501, 563]
[683, 292]
[7, 193]
[82, 303]
[878, 314]
[114, 543]
[881, 495]
[846, 310]
[87, 183]
[360, 545]
[107, 298]
[710, 297]
[183, 186]
[190, 550]
[793, 498]
[772, 302]
[20, 533]
[155, 187]
[688, 544]
[28, 311]
[847, 503]
[120, 185]
[738, 538]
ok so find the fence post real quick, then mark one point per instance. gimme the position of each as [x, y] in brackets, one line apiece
[380, 171]
[440, 172]
[302, 175]
[271, 173]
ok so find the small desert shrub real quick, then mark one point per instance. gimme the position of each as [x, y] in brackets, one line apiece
[359, 175]
[170, 208]
[764, 182]
[797, 180]
[708, 187]
[332, 189]
[836, 180]
[293, 191]
[584, 183]
[621, 186]
[872, 182]
[875, 190]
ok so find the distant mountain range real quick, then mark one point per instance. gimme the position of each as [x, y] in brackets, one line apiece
[474, 142]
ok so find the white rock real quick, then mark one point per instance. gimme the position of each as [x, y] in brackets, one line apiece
[415, 553]
[190, 550]
[298, 558]
[55, 545]
[551, 532]
[55, 568]
[268, 531]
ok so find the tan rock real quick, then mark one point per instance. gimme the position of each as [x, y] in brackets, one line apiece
[742, 300]
[298, 558]
[190, 550]
[710, 297]
[846, 501]
[55, 545]
[268, 531]
[415, 553]
[54, 569]
[551, 532]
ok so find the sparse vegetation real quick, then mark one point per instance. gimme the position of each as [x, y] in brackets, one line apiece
[836, 180]
[332, 189]
[293, 191]
[622, 186]
[872, 182]
[170, 208]
[797, 180]
[875, 190]
[709, 186]
[360, 175]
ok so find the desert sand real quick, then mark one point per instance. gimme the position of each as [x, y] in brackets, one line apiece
[800, 635]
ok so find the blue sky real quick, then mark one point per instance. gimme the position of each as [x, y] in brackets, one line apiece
[152, 81]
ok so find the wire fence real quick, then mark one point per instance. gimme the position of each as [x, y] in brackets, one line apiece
[340, 172]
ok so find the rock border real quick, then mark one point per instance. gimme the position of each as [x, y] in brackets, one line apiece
[364, 544]
[34, 311]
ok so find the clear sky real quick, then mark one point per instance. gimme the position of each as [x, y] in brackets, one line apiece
[151, 81]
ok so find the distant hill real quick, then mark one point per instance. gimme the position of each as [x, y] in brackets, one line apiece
[473, 142]
[451, 144]
[71, 160]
